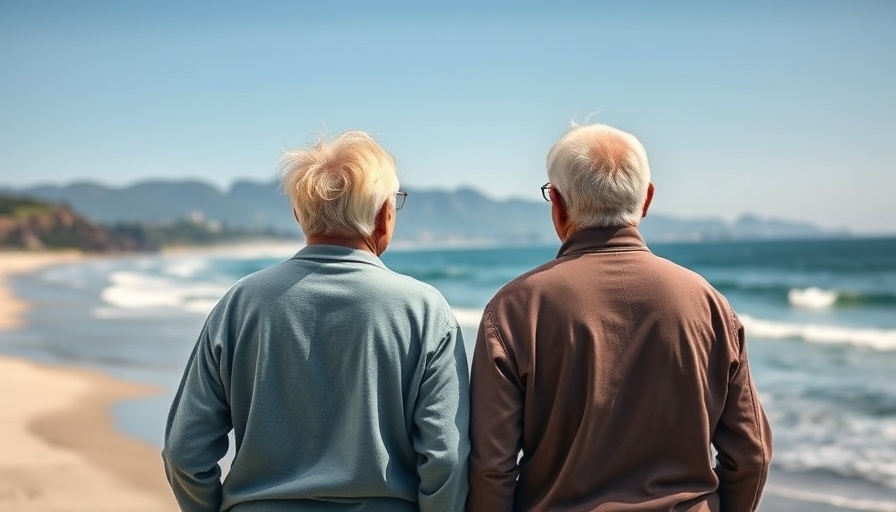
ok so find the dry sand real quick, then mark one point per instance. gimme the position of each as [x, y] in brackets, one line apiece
[59, 450]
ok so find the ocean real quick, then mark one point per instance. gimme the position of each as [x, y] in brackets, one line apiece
[820, 318]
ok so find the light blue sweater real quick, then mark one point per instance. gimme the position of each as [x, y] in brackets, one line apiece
[346, 387]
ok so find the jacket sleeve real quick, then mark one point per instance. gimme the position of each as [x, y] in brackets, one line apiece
[496, 419]
[742, 438]
[196, 433]
[441, 427]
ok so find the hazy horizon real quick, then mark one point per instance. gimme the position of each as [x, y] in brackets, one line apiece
[779, 110]
[224, 189]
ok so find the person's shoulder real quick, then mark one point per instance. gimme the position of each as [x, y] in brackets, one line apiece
[529, 282]
[239, 297]
[258, 287]
[675, 269]
[261, 278]
[409, 296]
[413, 288]
[683, 278]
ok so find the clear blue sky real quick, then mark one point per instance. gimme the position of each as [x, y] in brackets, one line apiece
[784, 109]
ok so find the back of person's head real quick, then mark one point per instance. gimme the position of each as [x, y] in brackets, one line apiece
[602, 174]
[337, 188]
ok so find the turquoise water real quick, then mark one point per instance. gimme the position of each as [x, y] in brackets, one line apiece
[820, 317]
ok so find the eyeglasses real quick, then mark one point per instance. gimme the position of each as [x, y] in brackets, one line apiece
[546, 191]
[399, 199]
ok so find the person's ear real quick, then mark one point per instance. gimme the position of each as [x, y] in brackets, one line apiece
[647, 201]
[560, 205]
[383, 226]
[559, 215]
[381, 221]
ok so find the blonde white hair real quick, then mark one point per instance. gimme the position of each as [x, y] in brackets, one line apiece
[602, 174]
[337, 188]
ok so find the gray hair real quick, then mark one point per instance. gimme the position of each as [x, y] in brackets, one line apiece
[602, 174]
[338, 187]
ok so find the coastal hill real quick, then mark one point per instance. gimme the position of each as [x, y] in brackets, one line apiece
[430, 216]
[29, 224]
[34, 225]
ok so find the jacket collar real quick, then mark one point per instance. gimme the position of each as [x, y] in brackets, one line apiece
[338, 253]
[612, 239]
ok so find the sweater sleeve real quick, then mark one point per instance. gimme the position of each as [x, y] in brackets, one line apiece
[196, 433]
[496, 417]
[441, 427]
[742, 438]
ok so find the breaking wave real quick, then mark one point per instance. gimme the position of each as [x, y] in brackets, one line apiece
[876, 339]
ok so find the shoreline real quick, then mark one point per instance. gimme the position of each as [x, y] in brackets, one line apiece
[123, 472]
[21, 262]
[61, 450]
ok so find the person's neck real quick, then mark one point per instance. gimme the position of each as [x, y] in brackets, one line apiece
[343, 241]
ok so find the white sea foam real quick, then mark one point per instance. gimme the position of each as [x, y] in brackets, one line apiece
[185, 268]
[852, 456]
[877, 339]
[831, 441]
[831, 499]
[812, 298]
[468, 317]
[135, 290]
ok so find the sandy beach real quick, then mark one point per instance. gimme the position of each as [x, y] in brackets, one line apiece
[59, 450]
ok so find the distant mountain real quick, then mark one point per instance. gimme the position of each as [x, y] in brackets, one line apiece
[430, 216]
[663, 228]
[246, 204]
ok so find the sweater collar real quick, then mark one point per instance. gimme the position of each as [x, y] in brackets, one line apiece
[611, 239]
[338, 253]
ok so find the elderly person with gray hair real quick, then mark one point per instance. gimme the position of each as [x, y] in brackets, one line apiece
[345, 384]
[612, 370]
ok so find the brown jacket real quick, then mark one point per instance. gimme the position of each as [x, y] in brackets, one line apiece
[613, 371]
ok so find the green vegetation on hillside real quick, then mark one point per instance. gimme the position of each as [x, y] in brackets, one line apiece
[16, 206]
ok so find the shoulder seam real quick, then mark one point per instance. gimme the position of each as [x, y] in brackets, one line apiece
[489, 316]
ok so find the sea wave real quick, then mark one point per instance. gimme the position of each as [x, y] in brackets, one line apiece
[877, 339]
[133, 293]
[824, 498]
[815, 296]
[854, 447]
[186, 268]
[882, 472]
[134, 290]
[812, 298]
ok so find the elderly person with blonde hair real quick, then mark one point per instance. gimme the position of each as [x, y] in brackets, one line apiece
[345, 384]
[612, 370]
